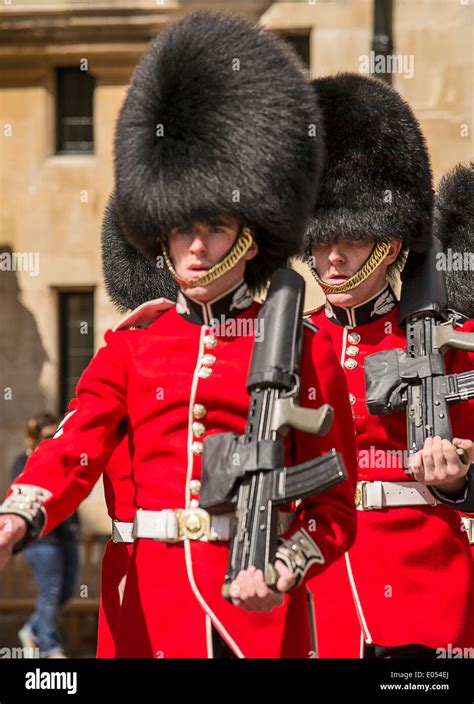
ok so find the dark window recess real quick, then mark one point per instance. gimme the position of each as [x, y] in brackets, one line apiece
[300, 43]
[76, 341]
[74, 111]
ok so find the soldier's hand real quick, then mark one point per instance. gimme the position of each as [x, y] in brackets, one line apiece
[438, 464]
[12, 530]
[249, 591]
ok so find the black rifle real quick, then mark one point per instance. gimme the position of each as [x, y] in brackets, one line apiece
[245, 474]
[416, 378]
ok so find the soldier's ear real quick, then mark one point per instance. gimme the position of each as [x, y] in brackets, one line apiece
[395, 247]
[253, 249]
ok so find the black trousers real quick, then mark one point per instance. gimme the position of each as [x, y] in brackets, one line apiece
[220, 647]
[399, 651]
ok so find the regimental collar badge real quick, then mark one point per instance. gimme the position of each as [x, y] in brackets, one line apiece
[376, 307]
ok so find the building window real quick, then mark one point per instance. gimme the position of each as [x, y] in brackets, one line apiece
[76, 341]
[74, 116]
[300, 43]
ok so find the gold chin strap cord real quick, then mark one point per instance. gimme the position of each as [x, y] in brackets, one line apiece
[378, 254]
[240, 248]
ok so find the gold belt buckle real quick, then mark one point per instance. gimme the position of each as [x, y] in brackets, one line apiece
[193, 524]
[360, 500]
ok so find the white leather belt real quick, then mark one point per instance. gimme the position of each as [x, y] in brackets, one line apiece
[122, 532]
[173, 525]
[469, 528]
[377, 495]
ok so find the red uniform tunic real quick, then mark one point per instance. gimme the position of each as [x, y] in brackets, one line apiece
[408, 578]
[147, 383]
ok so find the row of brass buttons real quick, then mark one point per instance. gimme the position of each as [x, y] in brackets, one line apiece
[353, 338]
[199, 410]
[352, 351]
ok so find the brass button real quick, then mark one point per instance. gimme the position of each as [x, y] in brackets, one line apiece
[195, 486]
[350, 364]
[353, 338]
[205, 373]
[352, 399]
[199, 411]
[209, 342]
[208, 360]
[197, 447]
[194, 503]
[352, 351]
[199, 429]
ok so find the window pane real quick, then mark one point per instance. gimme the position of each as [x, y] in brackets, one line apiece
[74, 107]
[76, 340]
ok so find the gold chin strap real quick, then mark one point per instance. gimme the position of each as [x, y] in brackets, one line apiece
[376, 257]
[240, 248]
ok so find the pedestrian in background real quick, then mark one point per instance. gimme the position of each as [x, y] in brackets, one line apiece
[54, 560]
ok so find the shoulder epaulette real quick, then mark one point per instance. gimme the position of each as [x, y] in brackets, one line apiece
[143, 316]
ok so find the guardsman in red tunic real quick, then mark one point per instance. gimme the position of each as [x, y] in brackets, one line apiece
[454, 227]
[403, 588]
[204, 183]
[130, 281]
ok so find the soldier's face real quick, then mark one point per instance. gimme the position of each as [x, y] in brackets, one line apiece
[337, 262]
[195, 249]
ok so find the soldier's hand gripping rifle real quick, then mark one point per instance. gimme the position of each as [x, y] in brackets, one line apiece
[415, 378]
[245, 474]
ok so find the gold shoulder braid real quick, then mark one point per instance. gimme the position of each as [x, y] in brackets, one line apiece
[240, 248]
[379, 253]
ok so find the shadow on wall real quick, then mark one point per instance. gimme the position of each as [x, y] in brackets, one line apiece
[21, 360]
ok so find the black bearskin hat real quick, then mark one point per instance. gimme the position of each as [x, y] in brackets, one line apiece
[130, 279]
[219, 118]
[454, 227]
[377, 178]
